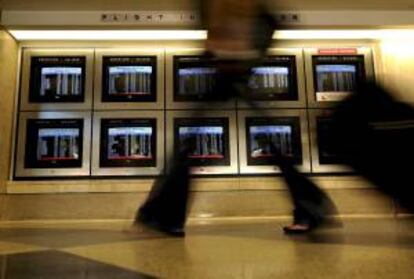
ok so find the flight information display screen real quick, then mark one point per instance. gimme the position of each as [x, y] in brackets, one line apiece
[275, 79]
[61, 81]
[335, 77]
[265, 135]
[129, 79]
[57, 79]
[56, 144]
[128, 143]
[194, 78]
[326, 147]
[270, 80]
[206, 139]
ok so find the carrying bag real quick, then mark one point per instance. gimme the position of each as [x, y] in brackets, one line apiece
[374, 134]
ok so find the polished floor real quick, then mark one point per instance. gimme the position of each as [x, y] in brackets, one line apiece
[363, 248]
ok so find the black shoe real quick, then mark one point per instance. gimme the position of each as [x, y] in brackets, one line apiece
[157, 226]
[296, 229]
[305, 227]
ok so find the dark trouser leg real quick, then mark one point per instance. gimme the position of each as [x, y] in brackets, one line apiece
[311, 204]
[167, 204]
[166, 207]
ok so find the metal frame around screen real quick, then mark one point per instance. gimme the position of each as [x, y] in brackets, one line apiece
[26, 105]
[84, 170]
[127, 171]
[206, 170]
[301, 113]
[100, 53]
[310, 86]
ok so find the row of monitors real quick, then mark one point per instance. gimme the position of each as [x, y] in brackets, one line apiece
[134, 79]
[132, 143]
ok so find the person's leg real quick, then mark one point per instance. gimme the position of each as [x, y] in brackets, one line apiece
[165, 209]
[312, 206]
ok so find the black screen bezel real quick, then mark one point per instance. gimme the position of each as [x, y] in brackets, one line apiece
[32, 138]
[354, 60]
[38, 62]
[208, 122]
[106, 124]
[191, 61]
[292, 94]
[110, 61]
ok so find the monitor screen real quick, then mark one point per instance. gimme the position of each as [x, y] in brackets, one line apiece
[129, 79]
[58, 144]
[206, 139]
[274, 79]
[265, 135]
[60, 81]
[128, 143]
[336, 78]
[270, 80]
[196, 81]
[57, 79]
[262, 137]
[54, 143]
[194, 77]
[326, 148]
[208, 142]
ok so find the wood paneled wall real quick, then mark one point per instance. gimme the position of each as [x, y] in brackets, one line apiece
[398, 68]
[8, 75]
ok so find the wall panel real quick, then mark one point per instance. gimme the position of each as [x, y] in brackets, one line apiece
[8, 73]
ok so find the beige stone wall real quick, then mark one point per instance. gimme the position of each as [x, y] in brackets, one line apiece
[8, 64]
[224, 197]
[205, 204]
[211, 198]
[397, 61]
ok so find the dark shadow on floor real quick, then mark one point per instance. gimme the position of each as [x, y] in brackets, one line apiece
[59, 265]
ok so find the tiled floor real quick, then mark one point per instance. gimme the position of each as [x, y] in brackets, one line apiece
[364, 248]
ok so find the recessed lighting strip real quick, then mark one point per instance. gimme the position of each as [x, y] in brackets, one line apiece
[150, 35]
